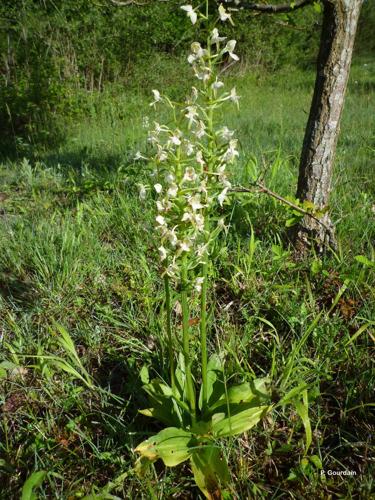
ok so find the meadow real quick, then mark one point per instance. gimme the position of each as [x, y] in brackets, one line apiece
[81, 299]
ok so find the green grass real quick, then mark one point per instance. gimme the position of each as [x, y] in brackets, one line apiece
[77, 249]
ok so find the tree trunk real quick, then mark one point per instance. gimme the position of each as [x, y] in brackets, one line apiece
[340, 19]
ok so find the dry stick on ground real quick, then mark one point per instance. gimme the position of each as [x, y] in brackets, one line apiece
[263, 189]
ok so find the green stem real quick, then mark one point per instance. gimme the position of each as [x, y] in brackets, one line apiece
[169, 331]
[203, 332]
[186, 338]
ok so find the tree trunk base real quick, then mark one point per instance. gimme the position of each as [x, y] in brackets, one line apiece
[309, 235]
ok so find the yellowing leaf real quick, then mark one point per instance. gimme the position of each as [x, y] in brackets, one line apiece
[172, 445]
[210, 471]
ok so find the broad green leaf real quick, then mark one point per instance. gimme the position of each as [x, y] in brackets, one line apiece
[172, 445]
[163, 413]
[239, 423]
[249, 392]
[210, 471]
[168, 408]
[33, 481]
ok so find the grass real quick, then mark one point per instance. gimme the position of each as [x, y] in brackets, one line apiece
[77, 249]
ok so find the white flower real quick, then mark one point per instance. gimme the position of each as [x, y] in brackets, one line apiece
[192, 15]
[221, 225]
[187, 217]
[191, 114]
[160, 206]
[161, 155]
[172, 191]
[198, 50]
[223, 14]
[175, 140]
[153, 139]
[223, 179]
[162, 253]
[202, 250]
[222, 196]
[185, 246]
[199, 158]
[230, 46]
[139, 156]
[169, 178]
[198, 284]
[204, 74]
[171, 236]
[157, 97]
[158, 188]
[215, 38]
[198, 221]
[233, 96]
[160, 220]
[142, 191]
[172, 270]
[217, 84]
[163, 206]
[191, 58]
[200, 130]
[203, 187]
[189, 175]
[189, 148]
[225, 133]
[195, 202]
[231, 152]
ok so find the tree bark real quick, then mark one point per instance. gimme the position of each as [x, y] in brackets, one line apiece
[340, 20]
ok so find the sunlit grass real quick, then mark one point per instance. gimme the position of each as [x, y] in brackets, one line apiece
[76, 248]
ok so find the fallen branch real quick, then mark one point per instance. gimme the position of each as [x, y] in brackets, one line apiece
[257, 186]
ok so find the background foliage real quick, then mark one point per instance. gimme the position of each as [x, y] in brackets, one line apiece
[54, 52]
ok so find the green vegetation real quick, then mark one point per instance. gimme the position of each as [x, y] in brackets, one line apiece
[77, 249]
[82, 304]
[56, 53]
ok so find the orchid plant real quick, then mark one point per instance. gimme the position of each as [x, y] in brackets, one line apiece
[191, 181]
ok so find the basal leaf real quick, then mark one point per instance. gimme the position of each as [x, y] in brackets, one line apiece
[210, 471]
[255, 392]
[239, 423]
[172, 445]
